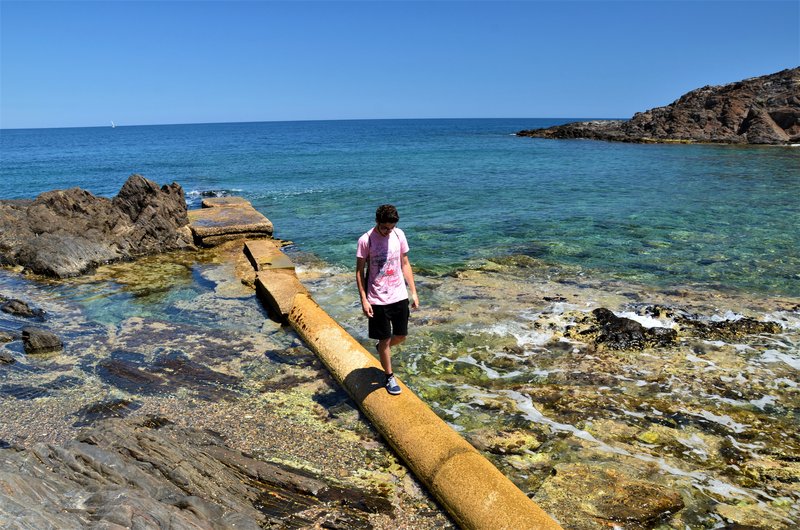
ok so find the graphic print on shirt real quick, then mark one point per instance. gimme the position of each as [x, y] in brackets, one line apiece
[388, 275]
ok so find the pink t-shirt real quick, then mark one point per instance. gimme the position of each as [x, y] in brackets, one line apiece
[383, 255]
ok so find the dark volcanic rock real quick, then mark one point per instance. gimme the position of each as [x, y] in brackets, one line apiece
[37, 340]
[68, 232]
[621, 333]
[727, 329]
[148, 473]
[759, 110]
[21, 309]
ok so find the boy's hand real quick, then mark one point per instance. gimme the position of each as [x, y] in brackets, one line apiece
[366, 307]
[414, 301]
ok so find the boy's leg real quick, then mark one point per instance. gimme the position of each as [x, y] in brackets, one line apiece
[397, 314]
[385, 354]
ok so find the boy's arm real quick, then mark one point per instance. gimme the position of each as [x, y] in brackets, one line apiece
[366, 307]
[408, 274]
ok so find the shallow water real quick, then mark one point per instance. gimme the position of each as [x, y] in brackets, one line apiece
[714, 420]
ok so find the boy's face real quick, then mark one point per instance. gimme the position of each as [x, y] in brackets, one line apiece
[386, 228]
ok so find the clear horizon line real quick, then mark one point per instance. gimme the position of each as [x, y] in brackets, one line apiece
[117, 125]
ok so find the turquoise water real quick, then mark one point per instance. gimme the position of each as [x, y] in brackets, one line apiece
[724, 217]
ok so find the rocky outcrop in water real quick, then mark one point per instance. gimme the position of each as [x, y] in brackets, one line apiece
[759, 110]
[66, 233]
[604, 329]
[148, 473]
[35, 339]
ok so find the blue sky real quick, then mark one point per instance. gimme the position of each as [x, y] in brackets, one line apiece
[66, 64]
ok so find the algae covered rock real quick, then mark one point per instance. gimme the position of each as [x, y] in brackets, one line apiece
[606, 496]
[505, 442]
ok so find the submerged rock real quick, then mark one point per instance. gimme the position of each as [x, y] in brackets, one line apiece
[66, 233]
[759, 110]
[505, 442]
[149, 473]
[752, 517]
[607, 496]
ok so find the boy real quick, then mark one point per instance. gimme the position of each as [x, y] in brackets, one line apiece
[383, 255]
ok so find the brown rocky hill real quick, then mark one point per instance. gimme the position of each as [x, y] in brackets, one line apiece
[759, 110]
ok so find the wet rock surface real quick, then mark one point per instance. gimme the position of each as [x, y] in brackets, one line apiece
[759, 110]
[607, 496]
[37, 341]
[705, 418]
[20, 308]
[149, 473]
[604, 329]
[66, 233]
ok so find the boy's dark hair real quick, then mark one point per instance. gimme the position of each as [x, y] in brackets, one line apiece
[386, 213]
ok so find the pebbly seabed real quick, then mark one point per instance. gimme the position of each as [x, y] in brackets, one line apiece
[701, 432]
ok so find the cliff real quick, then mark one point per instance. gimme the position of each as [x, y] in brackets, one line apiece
[759, 110]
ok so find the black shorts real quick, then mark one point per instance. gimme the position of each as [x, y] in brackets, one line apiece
[388, 320]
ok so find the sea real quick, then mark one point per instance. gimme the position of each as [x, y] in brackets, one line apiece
[514, 241]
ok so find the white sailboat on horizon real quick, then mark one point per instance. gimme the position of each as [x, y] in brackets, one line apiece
[113, 125]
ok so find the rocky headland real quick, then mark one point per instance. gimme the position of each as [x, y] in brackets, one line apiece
[759, 110]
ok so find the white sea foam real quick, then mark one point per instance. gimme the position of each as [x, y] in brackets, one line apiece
[729, 315]
[490, 372]
[695, 359]
[745, 446]
[697, 446]
[774, 356]
[523, 335]
[646, 321]
[787, 382]
[763, 402]
[724, 420]
[634, 414]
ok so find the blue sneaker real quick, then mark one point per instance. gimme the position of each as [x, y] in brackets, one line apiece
[391, 386]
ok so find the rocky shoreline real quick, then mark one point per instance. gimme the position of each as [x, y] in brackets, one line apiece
[761, 110]
[174, 425]
[170, 393]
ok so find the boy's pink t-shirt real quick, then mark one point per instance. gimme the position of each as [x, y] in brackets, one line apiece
[383, 255]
